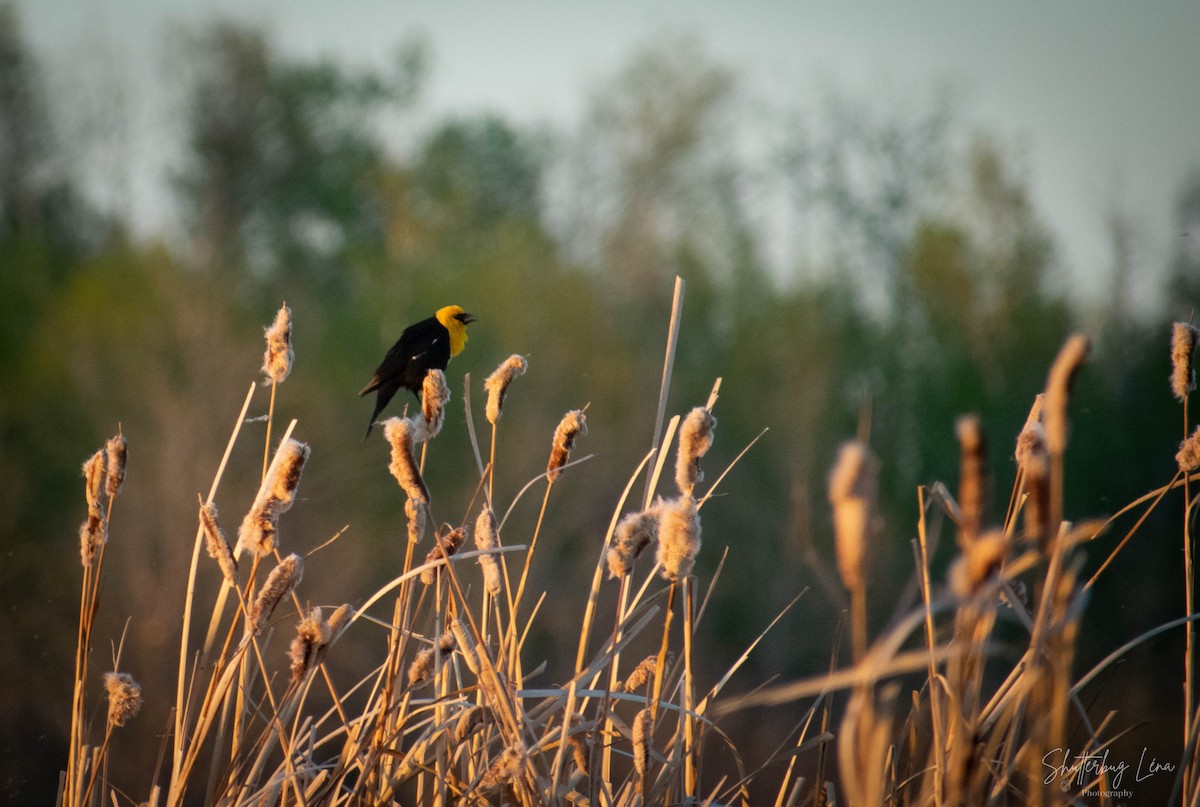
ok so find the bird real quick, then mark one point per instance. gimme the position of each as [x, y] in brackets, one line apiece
[424, 346]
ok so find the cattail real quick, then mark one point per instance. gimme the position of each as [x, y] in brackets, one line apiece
[1189, 453]
[312, 634]
[216, 543]
[116, 450]
[973, 478]
[852, 491]
[400, 433]
[579, 747]
[1033, 458]
[641, 743]
[465, 640]
[1183, 346]
[339, 621]
[1058, 390]
[93, 475]
[415, 515]
[695, 438]
[1031, 442]
[468, 722]
[504, 768]
[421, 670]
[979, 562]
[275, 496]
[573, 424]
[644, 671]
[633, 534]
[486, 538]
[451, 540]
[282, 579]
[434, 397]
[497, 385]
[678, 538]
[277, 361]
[93, 533]
[124, 698]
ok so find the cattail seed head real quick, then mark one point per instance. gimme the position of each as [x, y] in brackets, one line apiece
[414, 513]
[979, 562]
[643, 673]
[1183, 348]
[486, 538]
[216, 543]
[853, 486]
[678, 538]
[1031, 442]
[124, 697]
[579, 747]
[573, 424]
[1058, 390]
[93, 534]
[468, 722]
[116, 450]
[339, 620]
[282, 579]
[641, 743]
[259, 529]
[695, 438]
[277, 361]
[434, 397]
[497, 385]
[420, 672]
[506, 766]
[452, 540]
[465, 641]
[93, 475]
[312, 634]
[1188, 456]
[400, 433]
[633, 534]
[973, 478]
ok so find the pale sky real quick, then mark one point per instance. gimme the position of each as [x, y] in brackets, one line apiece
[1101, 97]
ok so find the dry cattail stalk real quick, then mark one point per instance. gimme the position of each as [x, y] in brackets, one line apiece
[633, 534]
[415, 515]
[277, 361]
[979, 562]
[451, 540]
[678, 538]
[282, 579]
[573, 424]
[312, 634]
[275, 496]
[643, 673]
[695, 438]
[434, 397]
[1188, 456]
[852, 492]
[421, 670]
[1183, 347]
[116, 450]
[124, 697]
[973, 478]
[506, 766]
[641, 743]
[486, 538]
[497, 385]
[216, 543]
[469, 722]
[400, 433]
[1058, 390]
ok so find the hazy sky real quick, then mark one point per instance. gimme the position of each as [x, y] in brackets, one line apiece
[1100, 99]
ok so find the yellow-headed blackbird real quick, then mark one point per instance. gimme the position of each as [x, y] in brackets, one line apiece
[424, 346]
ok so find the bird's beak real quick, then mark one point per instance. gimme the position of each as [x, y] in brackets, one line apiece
[467, 319]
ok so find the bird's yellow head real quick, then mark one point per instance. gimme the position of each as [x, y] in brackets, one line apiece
[455, 321]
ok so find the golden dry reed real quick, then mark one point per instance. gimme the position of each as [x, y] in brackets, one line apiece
[678, 538]
[124, 697]
[216, 543]
[973, 478]
[116, 452]
[277, 361]
[1058, 390]
[259, 530]
[979, 562]
[695, 438]
[312, 634]
[497, 385]
[280, 582]
[573, 425]
[399, 432]
[1183, 348]
[634, 533]
[435, 394]
[852, 492]
[1188, 455]
[486, 538]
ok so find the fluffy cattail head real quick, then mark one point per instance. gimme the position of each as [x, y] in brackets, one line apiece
[633, 534]
[312, 634]
[1188, 456]
[452, 540]
[434, 397]
[1183, 347]
[340, 620]
[93, 475]
[573, 424]
[852, 492]
[465, 640]
[486, 538]
[695, 438]
[260, 527]
[420, 672]
[973, 478]
[678, 538]
[93, 534]
[506, 766]
[643, 673]
[400, 434]
[116, 450]
[124, 697]
[497, 385]
[216, 543]
[1031, 442]
[282, 579]
[468, 722]
[414, 513]
[641, 742]
[277, 361]
[978, 563]
[1058, 390]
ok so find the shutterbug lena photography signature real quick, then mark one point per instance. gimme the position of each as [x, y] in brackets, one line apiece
[1101, 774]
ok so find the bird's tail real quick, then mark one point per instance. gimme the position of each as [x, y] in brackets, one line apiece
[370, 426]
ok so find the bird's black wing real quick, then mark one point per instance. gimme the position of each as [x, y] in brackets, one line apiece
[423, 346]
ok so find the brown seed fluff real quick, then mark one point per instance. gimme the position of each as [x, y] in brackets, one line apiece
[1058, 390]
[93, 475]
[1183, 348]
[260, 527]
[434, 397]
[504, 768]
[497, 384]
[312, 634]
[216, 543]
[573, 424]
[852, 492]
[978, 563]
[452, 540]
[400, 433]
[468, 722]
[678, 538]
[93, 534]
[579, 747]
[633, 534]
[486, 538]
[277, 361]
[1188, 456]
[973, 478]
[414, 513]
[339, 621]
[695, 438]
[641, 743]
[117, 451]
[421, 670]
[124, 697]
[282, 579]
[644, 671]
[1032, 439]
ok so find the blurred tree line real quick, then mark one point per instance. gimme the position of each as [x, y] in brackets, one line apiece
[920, 283]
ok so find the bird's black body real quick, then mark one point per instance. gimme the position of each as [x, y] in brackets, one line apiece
[423, 346]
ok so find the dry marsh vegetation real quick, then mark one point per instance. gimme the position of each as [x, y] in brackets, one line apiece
[935, 709]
